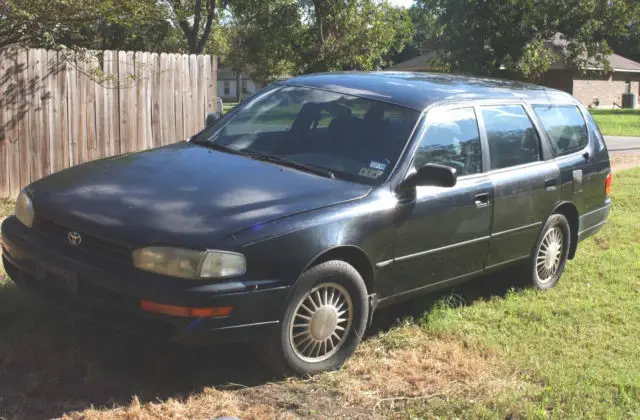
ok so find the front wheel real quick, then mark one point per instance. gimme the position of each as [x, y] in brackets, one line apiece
[551, 252]
[323, 323]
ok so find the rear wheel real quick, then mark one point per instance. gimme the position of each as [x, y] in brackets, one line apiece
[324, 321]
[551, 252]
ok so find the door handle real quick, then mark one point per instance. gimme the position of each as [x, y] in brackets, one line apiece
[482, 200]
[550, 184]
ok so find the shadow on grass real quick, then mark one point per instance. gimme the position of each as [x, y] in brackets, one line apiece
[52, 363]
[486, 287]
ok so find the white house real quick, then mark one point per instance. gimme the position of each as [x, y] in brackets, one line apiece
[227, 81]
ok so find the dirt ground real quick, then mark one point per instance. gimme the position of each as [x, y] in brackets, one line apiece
[624, 160]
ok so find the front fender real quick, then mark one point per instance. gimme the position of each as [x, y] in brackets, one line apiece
[283, 249]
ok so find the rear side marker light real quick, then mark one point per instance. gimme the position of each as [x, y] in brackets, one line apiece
[182, 311]
[608, 185]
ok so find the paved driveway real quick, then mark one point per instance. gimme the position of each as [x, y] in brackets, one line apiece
[622, 144]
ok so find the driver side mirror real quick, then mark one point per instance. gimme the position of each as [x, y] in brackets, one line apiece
[211, 119]
[432, 174]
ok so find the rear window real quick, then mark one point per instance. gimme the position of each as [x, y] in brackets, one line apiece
[513, 140]
[565, 126]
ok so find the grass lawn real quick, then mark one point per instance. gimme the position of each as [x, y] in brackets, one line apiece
[486, 349]
[227, 106]
[618, 122]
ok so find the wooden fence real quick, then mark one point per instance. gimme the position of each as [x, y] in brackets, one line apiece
[59, 109]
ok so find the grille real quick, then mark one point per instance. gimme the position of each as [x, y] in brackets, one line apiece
[89, 243]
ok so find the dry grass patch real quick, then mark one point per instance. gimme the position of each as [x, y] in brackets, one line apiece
[205, 405]
[385, 377]
[407, 363]
[624, 160]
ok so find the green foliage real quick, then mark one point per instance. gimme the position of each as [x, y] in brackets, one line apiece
[628, 45]
[264, 46]
[353, 34]
[425, 31]
[196, 19]
[481, 36]
[314, 35]
[99, 24]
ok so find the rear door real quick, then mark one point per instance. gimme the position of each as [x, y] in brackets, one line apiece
[582, 158]
[525, 181]
[580, 153]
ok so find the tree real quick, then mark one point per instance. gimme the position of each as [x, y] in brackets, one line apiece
[628, 44]
[80, 23]
[481, 36]
[353, 34]
[426, 30]
[196, 18]
[266, 39]
[282, 37]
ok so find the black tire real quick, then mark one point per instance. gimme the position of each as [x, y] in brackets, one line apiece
[539, 278]
[278, 352]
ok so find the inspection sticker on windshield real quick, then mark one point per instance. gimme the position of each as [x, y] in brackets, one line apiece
[370, 173]
[377, 165]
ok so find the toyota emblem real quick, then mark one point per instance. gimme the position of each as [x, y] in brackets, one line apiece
[74, 238]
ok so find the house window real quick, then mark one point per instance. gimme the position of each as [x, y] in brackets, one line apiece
[244, 86]
[227, 88]
[627, 87]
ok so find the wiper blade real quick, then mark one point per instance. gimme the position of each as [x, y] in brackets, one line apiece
[220, 147]
[291, 163]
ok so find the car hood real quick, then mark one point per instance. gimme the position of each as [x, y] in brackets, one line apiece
[183, 194]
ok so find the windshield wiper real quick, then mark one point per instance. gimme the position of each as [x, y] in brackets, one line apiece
[220, 147]
[291, 163]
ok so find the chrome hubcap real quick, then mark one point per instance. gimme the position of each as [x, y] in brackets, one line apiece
[549, 254]
[321, 322]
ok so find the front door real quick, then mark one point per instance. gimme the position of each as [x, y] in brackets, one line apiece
[443, 233]
[526, 187]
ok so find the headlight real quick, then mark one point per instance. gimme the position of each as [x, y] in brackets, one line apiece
[24, 209]
[189, 264]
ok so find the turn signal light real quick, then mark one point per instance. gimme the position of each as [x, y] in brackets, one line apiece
[608, 184]
[182, 311]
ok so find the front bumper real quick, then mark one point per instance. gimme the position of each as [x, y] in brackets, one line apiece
[109, 291]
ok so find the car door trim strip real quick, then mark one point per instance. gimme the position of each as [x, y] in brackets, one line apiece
[515, 230]
[428, 286]
[433, 251]
[603, 208]
[582, 232]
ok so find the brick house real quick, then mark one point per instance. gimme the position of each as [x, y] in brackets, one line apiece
[587, 86]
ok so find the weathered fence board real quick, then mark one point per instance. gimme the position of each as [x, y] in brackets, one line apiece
[58, 109]
[5, 181]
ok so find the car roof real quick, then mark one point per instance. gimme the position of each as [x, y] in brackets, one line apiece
[419, 90]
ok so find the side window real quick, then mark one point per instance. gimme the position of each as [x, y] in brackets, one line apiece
[452, 138]
[565, 126]
[513, 139]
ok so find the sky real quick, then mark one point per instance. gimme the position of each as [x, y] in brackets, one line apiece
[404, 3]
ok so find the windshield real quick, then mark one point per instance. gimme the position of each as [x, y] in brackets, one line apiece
[356, 139]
